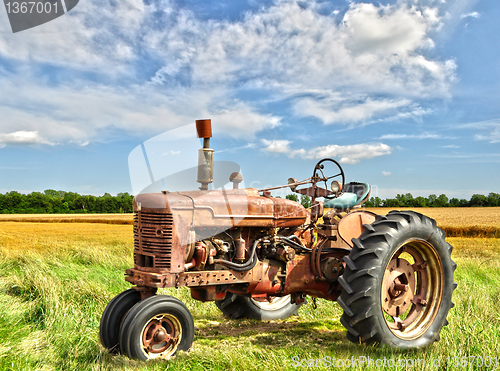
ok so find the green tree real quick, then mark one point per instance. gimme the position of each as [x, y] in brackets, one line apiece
[391, 202]
[464, 203]
[420, 202]
[494, 199]
[431, 200]
[441, 201]
[405, 200]
[478, 200]
[305, 201]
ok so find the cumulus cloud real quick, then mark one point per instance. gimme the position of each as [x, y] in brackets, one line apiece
[369, 66]
[82, 114]
[22, 137]
[386, 173]
[93, 36]
[349, 154]
[276, 146]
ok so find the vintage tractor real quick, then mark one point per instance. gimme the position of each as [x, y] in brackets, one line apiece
[259, 256]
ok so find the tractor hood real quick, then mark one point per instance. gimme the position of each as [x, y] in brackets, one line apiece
[223, 208]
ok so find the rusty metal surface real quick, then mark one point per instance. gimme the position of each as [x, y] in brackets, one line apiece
[161, 333]
[351, 225]
[266, 278]
[204, 128]
[207, 293]
[235, 207]
[412, 289]
[207, 278]
[398, 287]
[157, 246]
[314, 192]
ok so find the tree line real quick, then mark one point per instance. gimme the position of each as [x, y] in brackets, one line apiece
[407, 200]
[61, 202]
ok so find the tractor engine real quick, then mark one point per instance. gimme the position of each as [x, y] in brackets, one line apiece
[233, 233]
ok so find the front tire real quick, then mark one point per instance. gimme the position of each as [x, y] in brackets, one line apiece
[112, 318]
[398, 282]
[156, 327]
[237, 306]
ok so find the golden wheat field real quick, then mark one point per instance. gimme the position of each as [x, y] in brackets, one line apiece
[456, 216]
[445, 216]
[68, 218]
[457, 222]
[461, 221]
[21, 237]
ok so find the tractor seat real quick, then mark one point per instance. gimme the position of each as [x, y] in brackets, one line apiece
[354, 194]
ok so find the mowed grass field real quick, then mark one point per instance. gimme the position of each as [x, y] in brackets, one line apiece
[57, 278]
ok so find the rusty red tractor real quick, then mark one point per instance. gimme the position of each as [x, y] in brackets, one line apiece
[259, 256]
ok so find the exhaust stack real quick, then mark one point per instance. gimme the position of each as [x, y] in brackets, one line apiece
[205, 154]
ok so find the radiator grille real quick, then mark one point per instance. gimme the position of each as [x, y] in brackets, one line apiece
[153, 240]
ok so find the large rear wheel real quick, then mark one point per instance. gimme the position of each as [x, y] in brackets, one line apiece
[398, 282]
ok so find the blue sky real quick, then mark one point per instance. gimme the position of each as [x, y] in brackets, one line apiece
[403, 93]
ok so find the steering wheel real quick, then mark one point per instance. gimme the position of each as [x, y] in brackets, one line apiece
[316, 178]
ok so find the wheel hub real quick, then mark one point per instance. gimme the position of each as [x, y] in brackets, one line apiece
[398, 287]
[161, 335]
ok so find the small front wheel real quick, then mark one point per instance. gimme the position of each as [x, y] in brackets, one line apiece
[157, 327]
[112, 318]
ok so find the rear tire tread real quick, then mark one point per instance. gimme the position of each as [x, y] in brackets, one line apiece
[363, 320]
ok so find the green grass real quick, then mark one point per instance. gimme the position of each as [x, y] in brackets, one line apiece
[51, 303]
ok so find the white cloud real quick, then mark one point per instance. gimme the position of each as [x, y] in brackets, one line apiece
[493, 137]
[411, 136]
[384, 30]
[276, 146]
[349, 154]
[370, 66]
[22, 137]
[340, 110]
[470, 15]
[78, 114]
[386, 173]
[94, 35]
[491, 127]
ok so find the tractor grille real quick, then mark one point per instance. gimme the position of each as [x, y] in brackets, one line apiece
[153, 240]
